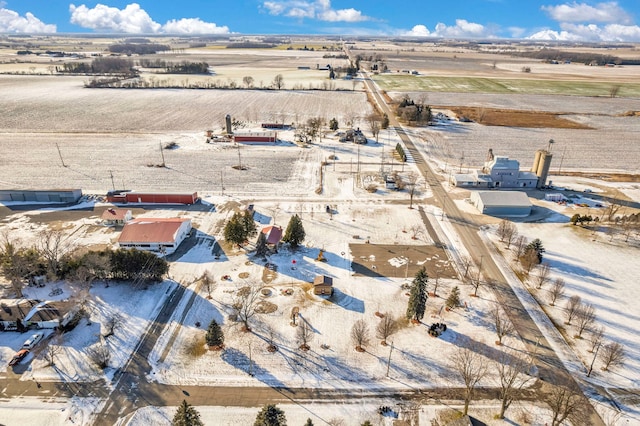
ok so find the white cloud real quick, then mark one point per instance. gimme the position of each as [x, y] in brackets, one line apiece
[318, 9]
[591, 32]
[582, 12]
[12, 22]
[418, 31]
[131, 19]
[193, 26]
[135, 20]
[462, 29]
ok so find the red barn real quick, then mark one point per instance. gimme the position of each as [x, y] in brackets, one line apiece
[152, 197]
[268, 136]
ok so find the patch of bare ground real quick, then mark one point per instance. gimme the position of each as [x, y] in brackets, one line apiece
[515, 118]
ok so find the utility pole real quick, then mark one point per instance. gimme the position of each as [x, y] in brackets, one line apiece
[239, 159]
[593, 360]
[112, 182]
[162, 154]
[60, 154]
[221, 183]
[389, 360]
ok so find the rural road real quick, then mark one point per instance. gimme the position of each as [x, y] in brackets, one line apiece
[550, 367]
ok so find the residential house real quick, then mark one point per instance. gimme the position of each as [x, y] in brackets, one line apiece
[323, 285]
[161, 235]
[118, 217]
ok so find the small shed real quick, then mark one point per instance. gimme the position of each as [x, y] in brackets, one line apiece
[113, 216]
[323, 285]
[273, 235]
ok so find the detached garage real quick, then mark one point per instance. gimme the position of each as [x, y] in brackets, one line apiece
[502, 203]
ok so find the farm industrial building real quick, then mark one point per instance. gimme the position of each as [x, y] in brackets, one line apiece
[503, 172]
[502, 203]
[124, 197]
[41, 196]
[256, 137]
[161, 235]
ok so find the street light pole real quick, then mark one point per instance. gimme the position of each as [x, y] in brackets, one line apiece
[389, 360]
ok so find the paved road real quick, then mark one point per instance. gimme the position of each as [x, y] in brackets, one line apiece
[551, 368]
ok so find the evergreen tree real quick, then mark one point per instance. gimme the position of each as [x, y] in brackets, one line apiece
[270, 415]
[261, 245]
[536, 246]
[214, 336]
[186, 416]
[454, 298]
[234, 230]
[418, 296]
[249, 224]
[333, 124]
[294, 234]
[308, 423]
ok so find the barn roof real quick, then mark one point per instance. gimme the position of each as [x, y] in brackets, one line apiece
[322, 280]
[273, 234]
[151, 230]
[504, 198]
[114, 214]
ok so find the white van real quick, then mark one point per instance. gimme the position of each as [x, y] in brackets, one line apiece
[32, 341]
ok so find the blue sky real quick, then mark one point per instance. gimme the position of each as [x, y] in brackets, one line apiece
[574, 20]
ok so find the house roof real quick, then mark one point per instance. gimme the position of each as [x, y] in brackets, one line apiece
[322, 280]
[273, 234]
[12, 309]
[504, 198]
[151, 230]
[114, 214]
[48, 311]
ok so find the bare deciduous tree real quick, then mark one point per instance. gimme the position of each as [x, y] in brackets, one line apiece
[112, 324]
[466, 264]
[416, 230]
[520, 245]
[571, 308]
[51, 248]
[542, 277]
[512, 374]
[247, 81]
[246, 302]
[53, 349]
[475, 281]
[502, 324]
[557, 290]
[471, 367]
[529, 260]
[278, 82]
[565, 404]
[99, 354]
[507, 231]
[304, 335]
[412, 187]
[208, 282]
[612, 355]
[585, 316]
[386, 327]
[595, 337]
[360, 334]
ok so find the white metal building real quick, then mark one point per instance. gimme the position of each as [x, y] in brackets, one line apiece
[502, 203]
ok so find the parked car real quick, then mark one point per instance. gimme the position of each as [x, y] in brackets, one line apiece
[33, 340]
[19, 356]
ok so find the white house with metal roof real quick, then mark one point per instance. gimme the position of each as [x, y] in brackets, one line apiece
[162, 235]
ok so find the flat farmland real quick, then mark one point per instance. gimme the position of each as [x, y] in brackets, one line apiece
[404, 82]
[63, 104]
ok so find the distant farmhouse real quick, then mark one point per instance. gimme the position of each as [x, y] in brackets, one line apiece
[117, 217]
[160, 235]
[502, 172]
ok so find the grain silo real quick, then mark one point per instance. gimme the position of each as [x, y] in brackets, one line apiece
[228, 123]
[536, 162]
[544, 165]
